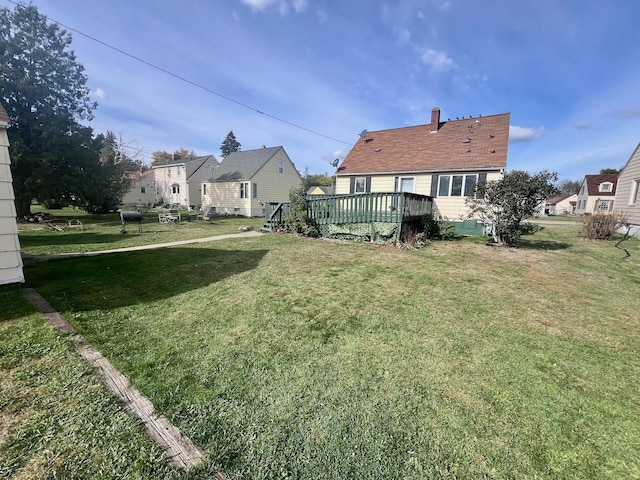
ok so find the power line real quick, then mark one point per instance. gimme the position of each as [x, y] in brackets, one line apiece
[186, 80]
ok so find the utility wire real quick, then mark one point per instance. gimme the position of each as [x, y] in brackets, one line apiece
[186, 80]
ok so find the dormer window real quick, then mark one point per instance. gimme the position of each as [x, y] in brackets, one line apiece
[605, 187]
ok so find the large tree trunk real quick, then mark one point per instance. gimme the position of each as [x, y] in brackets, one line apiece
[23, 206]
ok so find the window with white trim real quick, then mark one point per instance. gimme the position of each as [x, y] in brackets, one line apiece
[254, 190]
[456, 185]
[280, 166]
[603, 205]
[360, 185]
[244, 189]
[605, 186]
[635, 190]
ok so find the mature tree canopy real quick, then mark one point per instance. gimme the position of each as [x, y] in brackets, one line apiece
[44, 90]
[568, 187]
[506, 202]
[314, 179]
[608, 170]
[161, 157]
[229, 144]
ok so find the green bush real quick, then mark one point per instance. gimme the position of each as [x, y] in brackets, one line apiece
[298, 220]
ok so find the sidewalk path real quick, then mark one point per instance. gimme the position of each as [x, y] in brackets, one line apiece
[30, 259]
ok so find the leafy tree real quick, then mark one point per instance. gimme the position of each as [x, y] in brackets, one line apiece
[608, 170]
[311, 180]
[161, 157]
[44, 90]
[504, 203]
[568, 187]
[229, 144]
[298, 220]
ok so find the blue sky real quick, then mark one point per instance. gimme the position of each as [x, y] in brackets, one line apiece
[568, 71]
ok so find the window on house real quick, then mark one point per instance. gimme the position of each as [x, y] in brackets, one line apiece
[175, 188]
[456, 185]
[254, 190]
[244, 189]
[280, 166]
[143, 190]
[635, 189]
[404, 184]
[360, 185]
[204, 188]
[605, 187]
[603, 205]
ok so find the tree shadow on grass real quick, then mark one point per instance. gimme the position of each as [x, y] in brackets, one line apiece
[80, 238]
[541, 244]
[131, 278]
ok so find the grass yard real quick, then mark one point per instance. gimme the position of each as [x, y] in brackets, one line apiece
[102, 232]
[283, 357]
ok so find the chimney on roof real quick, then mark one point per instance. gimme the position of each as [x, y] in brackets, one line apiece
[264, 146]
[435, 120]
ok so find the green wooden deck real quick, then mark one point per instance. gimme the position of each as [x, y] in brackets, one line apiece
[358, 215]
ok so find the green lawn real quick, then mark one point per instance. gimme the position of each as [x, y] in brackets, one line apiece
[283, 357]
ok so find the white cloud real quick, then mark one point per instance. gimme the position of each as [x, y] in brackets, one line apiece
[235, 16]
[322, 16]
[582, 125]
[404, 35]
[284, 6]
[300, 5]
[99, 93]
[420, 14]
[523, 134]
[437, 61]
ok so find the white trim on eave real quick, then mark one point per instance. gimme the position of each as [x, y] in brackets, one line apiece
[4, 124]
[405, 172]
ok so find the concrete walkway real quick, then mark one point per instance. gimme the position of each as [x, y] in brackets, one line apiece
[31, 259]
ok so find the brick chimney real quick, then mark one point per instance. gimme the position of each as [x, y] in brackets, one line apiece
[435, 120]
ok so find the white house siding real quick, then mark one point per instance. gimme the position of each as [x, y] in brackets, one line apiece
[135, 195]
[453, 208]
[10, 258]
[628, 182]
[166, 178]
[224, 197]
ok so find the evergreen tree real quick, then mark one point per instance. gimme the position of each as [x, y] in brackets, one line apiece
[229, 144]
[44, 90]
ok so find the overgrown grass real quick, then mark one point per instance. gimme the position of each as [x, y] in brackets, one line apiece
[283, 357]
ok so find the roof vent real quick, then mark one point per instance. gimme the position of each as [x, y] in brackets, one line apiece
[466, 140]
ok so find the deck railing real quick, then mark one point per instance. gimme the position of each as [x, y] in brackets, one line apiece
[393, 207]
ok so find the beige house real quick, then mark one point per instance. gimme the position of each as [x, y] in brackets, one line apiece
[597, 193]
[562, 205]
[179, 182]
[628, 192]
[245, 180]
[441, 159]
[142, 189]
[10, 258]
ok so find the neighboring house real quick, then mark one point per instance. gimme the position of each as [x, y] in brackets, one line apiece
[320, 190]
[10, 258]
[178, 182]
[441, 159]
[245, 180]
[628, 192]
[142, 190]
[597, 193]
[562, 205]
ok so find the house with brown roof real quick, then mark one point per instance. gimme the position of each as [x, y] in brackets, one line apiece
[597, 193]
[10, 257]
[561, 205]
[441, 159]
[627, 198]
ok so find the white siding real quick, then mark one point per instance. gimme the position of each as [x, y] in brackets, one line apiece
[135, 196]
[166, 177]
[225, 198]
[10, 258]
[629, 179]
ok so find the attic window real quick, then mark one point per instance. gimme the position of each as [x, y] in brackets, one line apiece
[606, 186]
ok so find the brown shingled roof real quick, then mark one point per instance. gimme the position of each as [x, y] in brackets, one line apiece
[469, 144]
[4, 117]
[594, 180]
